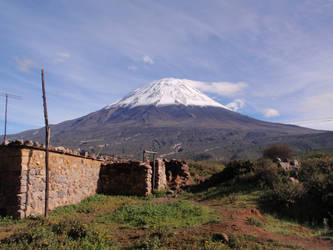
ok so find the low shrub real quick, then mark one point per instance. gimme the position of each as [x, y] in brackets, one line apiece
[266, 173]
[310, 199]
[233, 169]
[44, 234]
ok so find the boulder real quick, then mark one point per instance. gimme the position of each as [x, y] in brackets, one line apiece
[221, 237]
[60, 149]
[28, 143]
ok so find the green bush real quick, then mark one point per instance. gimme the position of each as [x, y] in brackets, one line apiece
[310, 199]
[233, 169]
[287, 194]
[266, 173]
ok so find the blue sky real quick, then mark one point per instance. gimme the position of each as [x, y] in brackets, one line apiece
[268, 59]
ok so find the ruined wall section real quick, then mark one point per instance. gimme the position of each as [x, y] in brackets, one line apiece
[160, 175]
[177, 174]
[126, 178]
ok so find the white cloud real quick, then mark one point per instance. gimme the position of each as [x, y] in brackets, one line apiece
[270, 113]
[221, 88]
[61, 57]
[323, 124]
[236, 105]
[24, 65]
[148, 59]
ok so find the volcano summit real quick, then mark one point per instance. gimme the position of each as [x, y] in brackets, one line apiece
[174, 118]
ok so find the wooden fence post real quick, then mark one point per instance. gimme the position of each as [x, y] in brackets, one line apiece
[47, 141]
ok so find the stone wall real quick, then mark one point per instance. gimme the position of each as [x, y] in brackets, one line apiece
[126, 178]
[10, 172]
[160, 175]
[72, 178]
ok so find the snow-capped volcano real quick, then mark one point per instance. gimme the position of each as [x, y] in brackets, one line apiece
[167, 91]
[172, 117]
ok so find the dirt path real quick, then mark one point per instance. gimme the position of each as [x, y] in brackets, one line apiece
[235, 219]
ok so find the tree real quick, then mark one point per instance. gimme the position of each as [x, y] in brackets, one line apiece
[277, 151]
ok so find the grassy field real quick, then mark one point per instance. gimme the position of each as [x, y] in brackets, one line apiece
[223, 216]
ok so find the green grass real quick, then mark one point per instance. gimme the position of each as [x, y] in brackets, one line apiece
[204, 168]
[7, 220]
[160, 214]
[277, 225]
[92, 206]
[254, 222]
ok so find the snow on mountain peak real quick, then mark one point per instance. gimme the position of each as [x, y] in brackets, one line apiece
[167, 91]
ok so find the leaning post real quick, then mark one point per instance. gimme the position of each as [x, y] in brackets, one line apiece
[47, 141]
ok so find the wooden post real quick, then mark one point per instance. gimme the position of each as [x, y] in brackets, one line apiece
[47, 141]
[6, 110]
[154, 174]
[7, 96]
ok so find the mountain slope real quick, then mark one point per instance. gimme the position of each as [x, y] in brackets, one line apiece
[173, 118]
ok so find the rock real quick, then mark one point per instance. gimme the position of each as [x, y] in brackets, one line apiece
[75, 152]
[100, 158]
[28, 143]
[6, 142]
[36, 144]
[170, 192]
[60, 149]
[92, 155]
[18, 142]
[284, 165]
[221, 237]
[293, 180]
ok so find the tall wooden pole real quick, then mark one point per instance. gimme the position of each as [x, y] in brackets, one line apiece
[47, 140]
[6, 111]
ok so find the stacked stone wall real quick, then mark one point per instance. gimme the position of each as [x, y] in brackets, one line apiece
[22, 192]
[160, 175]
[10, 173]
[126, 178]
[74, 177]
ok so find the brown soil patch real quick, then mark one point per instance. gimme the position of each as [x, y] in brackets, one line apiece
[235, 222]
